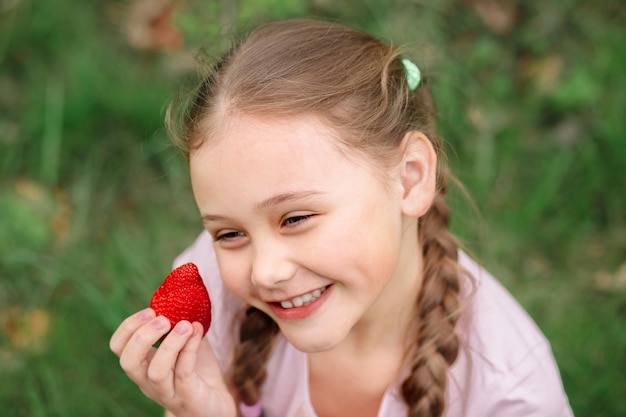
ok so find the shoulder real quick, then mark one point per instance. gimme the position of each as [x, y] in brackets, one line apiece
[224, 305]
[505, 363]
[493, 318]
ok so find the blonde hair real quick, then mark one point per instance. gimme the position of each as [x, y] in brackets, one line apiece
[356, 85]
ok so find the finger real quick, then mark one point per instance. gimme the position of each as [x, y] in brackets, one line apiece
[162, 367]
[137, 354]
[129, 326]
[186, 363]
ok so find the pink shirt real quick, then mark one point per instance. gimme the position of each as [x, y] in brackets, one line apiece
[505, 366]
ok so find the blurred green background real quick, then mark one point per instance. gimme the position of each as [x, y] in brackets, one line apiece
[95, 202]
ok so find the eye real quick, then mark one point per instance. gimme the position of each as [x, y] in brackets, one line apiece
[293, 221]
[228, 235]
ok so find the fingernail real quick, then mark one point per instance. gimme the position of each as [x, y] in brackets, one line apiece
[145, 315]
[159, 323]
[181, 328]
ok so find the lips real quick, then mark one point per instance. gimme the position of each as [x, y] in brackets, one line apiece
[301, 306]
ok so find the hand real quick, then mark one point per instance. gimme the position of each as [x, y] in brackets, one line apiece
[182, 375]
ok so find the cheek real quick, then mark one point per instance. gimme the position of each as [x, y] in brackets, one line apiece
[359, 246]
[234, 273]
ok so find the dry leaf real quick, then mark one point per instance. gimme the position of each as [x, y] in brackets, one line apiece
[27, 330]
[620, 277]
[544, 73]
[62, 215]
[30, 190]
[149, 25]
[602, 281]
[568, 133]
[606, 281]
[499, 15]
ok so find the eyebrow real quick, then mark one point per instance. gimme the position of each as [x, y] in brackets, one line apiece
[270, 202]
[287, 197]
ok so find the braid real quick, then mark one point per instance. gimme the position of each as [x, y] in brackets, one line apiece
[438, 306]
[256, 337]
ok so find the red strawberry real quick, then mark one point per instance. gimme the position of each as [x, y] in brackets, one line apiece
[183, 296]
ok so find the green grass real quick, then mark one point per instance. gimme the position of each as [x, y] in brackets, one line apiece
[95, 203]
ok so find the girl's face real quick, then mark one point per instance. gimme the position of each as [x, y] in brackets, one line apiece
[313, 238]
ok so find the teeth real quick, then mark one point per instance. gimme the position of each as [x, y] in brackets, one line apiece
[303, 300]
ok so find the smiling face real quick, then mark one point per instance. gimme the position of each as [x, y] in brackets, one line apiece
[313, 238]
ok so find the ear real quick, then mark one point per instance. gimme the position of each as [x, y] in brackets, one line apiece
[418, 174]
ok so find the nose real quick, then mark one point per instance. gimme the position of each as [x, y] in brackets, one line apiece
[272, 264]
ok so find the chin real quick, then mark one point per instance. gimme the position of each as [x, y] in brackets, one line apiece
[313, 342]
[312, 347]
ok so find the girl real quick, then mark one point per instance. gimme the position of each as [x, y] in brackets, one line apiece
[337, 287]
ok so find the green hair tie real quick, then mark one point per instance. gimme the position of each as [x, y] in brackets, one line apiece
[413, 74]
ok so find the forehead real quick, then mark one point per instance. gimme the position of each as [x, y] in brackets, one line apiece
[255, 138]
[248, 158]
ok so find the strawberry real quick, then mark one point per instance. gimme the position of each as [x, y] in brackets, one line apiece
[183, 296]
